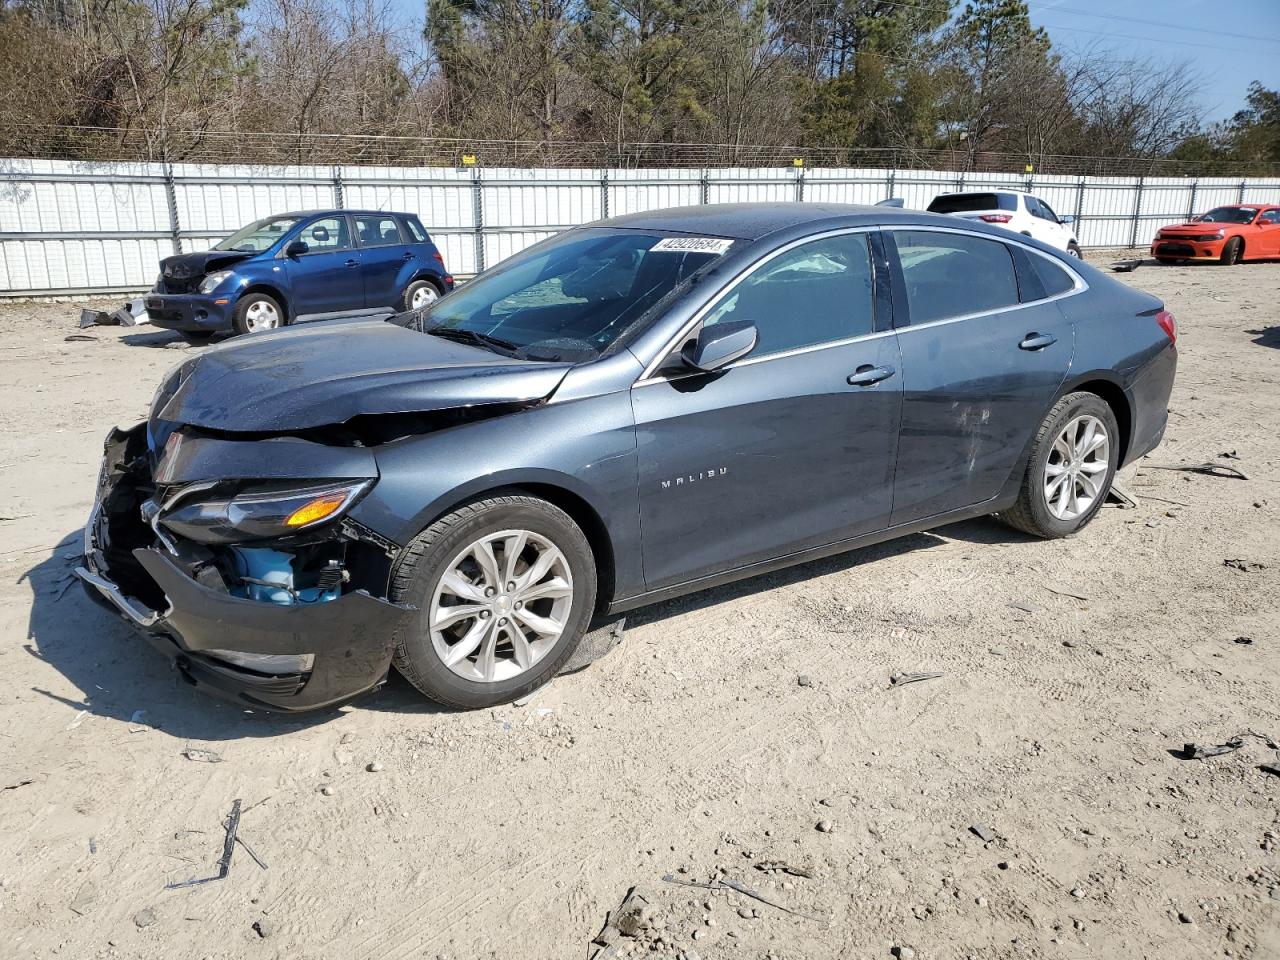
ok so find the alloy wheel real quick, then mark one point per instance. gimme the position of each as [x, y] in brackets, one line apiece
[501, 605]
[1076, 468]
[261, 315]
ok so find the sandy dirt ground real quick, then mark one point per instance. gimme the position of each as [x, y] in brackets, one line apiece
[1072, 674]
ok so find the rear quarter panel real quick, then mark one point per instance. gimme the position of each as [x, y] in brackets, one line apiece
[1118, 341]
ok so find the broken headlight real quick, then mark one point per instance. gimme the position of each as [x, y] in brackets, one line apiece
[259, 514]
[210, 283]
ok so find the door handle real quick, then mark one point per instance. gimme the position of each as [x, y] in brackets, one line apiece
[353, 263]
[409, 255]
[867, 375]
[1037, 341]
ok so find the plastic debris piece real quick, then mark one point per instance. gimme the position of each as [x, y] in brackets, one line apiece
[201, 756]
[899, 679]
[983, 832]
[228, 848]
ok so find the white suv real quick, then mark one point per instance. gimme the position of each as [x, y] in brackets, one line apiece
[1019, 212]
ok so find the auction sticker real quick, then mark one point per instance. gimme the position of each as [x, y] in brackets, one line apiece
[716, 245]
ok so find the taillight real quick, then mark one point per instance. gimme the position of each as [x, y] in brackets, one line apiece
[438, 257]
[996, 217]
[1168, 325]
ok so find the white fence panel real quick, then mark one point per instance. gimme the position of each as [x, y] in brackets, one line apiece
[71, 227]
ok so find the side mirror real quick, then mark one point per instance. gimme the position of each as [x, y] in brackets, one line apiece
[296, 249]
[1265, 222]
[719, 345]
[1067, 220]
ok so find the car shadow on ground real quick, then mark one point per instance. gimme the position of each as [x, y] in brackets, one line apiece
[1266, 337]
[167, 340]
[119, 673]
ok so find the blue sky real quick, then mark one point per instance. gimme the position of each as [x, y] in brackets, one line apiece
[1230, 42]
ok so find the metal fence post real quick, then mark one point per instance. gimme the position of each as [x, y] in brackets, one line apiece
[604, 195]
[1240, 196]
[1191, 203]
[704, 184]
[171, 194]
[338, 203]
[1079, 205]
[1137, 212]
[477, 210]
[890, 183]
[799, 184]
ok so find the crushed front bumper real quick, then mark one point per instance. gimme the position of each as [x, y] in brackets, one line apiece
[351, 638]
[190, 312]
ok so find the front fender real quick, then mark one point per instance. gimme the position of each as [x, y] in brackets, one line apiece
[585, 447]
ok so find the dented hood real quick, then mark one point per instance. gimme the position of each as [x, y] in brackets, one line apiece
[327, 374]
[187, 266]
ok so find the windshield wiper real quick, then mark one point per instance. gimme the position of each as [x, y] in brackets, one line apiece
[472, 337]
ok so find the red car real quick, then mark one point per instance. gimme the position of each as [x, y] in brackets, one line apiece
[1225, 234]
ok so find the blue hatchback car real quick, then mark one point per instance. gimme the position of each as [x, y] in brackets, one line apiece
[300, 266]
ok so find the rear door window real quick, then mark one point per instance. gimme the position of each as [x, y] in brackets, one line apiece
[949, 275]
[380, 231]
[818, 292]
[1055, 279]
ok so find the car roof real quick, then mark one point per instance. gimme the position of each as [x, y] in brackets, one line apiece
[751, 221]
[321, 212]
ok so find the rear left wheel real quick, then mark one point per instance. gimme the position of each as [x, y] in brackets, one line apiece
[420, 294]
[1073, 461]
[505, 588]
[1073, 250]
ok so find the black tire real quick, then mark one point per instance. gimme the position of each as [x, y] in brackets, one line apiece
[406, 301]
[1073, 250]
[421, 564]
[241, 317]
[1030, 513]
[1231, 252]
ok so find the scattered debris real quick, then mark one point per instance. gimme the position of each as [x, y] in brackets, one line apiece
[249, 850]
[144, 918]
[983, 832]
[804, 680]
[1245, 566]
[725, 883]
[93, 845]
[263, 928]
[1271, 768]
[1243, 641]
[201, 756]
[95, 318]
[77, 719]
[525, 700]
[899, 679]
[1119, 266]
[904, 953]
[79, 338]
[140, 722]
[228, 848]
[374, 767]
[1191, 751]
[20, 783]
[825, 826]
[1184, 917]
[131, 314]
[631, 919]
[86, 896]
[1024, 606]
[1062, 590]
[327, 790]
[597, 643]
[1120, 494]
[781, 866]
[1208, 468]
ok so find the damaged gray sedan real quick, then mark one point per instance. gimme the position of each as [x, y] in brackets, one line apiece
[623, 413]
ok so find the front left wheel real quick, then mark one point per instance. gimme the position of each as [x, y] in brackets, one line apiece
[505, 588]
[1073, 250]
[1072, 463]
[257, 313]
